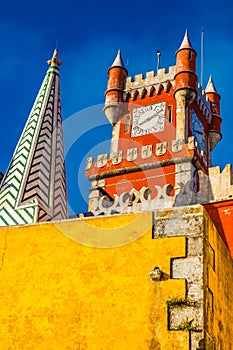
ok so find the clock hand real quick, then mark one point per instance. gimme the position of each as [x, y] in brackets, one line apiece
[147, 120]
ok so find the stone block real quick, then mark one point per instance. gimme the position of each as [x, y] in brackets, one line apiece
[178, 222]
[181, 316]
[190, 268]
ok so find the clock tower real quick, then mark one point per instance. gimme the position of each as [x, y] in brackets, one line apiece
[164, 129]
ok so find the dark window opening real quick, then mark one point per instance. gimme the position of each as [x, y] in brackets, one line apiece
[169, 115]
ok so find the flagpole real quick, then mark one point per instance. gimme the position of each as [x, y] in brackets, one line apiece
[202, 55]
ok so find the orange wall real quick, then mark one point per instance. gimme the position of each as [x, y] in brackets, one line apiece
[221, 214]
[218, 272]
[169, 132]
[148, 178]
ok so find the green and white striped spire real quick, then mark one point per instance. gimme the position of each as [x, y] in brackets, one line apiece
[34, 186]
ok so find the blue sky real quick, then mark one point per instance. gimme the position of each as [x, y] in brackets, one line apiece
[90, 34]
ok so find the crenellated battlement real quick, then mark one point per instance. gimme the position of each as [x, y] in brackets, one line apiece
[152, 80]
[221, 182]
[149, 155]
[203, 103]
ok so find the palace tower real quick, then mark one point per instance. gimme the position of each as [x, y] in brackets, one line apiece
[164, 130]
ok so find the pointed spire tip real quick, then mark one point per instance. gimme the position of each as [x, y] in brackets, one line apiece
[118, 62]
[186, 44]
[54, 60]
[210, 86]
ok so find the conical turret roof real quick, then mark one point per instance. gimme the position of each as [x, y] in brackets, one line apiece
[210, 88]
[186, 44]
[118, 62]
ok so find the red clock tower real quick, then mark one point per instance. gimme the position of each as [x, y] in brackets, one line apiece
[164, 129]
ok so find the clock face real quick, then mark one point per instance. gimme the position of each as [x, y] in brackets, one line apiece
[148, 119]
[198, 130]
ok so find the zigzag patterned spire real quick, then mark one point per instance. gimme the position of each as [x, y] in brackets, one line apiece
[34, 186]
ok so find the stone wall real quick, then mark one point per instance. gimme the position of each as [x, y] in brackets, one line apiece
[207, 268]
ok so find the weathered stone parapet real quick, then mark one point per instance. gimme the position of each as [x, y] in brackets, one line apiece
[152, 79]
[217, 186]
[182, 221]
[221, 184]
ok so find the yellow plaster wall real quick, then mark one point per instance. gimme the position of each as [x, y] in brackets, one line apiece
[56, 293]
[219, 292]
